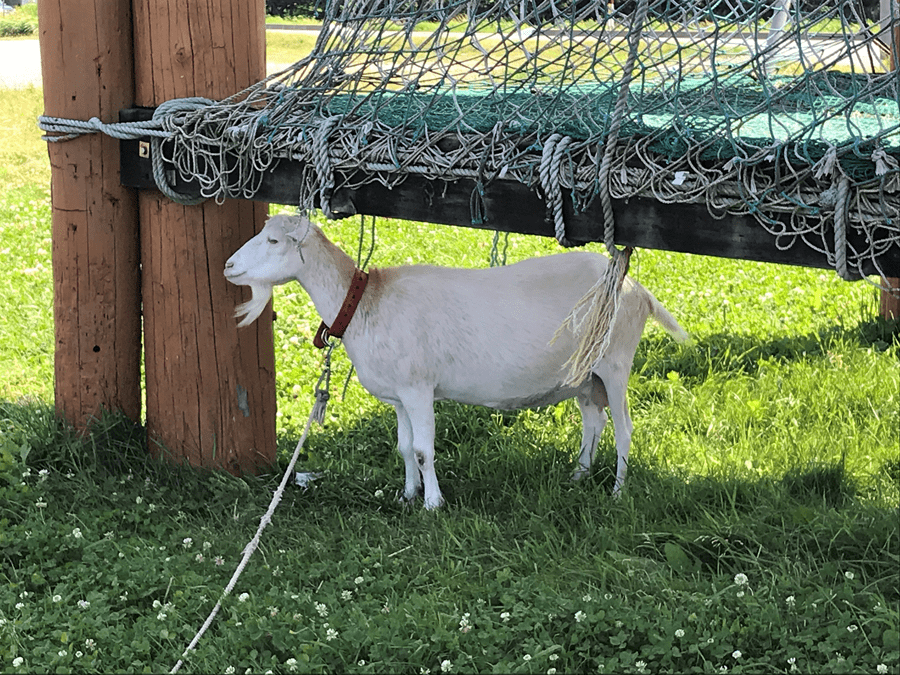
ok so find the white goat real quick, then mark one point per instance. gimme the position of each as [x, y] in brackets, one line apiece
[478, 336]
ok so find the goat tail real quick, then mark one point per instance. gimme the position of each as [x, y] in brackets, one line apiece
[591, 321]
[666, 320]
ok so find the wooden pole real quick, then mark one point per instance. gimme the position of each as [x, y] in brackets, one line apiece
[890, 300]
[86, 59]
[210, 386]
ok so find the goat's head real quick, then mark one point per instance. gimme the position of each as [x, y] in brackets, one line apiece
[270, 258]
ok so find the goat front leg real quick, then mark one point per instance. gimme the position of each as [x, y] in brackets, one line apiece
[405, 446]
[419, 407]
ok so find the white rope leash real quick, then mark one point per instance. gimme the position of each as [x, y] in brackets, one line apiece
[252, 545]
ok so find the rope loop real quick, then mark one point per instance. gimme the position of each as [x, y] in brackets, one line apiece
[841, 209]
[166, 114]
[322, 162]
[550, 172]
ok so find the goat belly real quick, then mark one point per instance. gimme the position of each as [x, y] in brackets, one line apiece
[513, 402]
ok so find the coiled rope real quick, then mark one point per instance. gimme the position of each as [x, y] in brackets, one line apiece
[163, 126]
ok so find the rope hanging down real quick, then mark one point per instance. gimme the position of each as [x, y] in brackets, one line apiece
[317, 410]
[592, 320]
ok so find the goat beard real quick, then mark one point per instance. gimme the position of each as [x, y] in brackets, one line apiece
[255, 305]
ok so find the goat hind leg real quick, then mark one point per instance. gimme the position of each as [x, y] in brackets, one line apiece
[592, 404]
[615, 383]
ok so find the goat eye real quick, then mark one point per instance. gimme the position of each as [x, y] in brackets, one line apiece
[273, 241]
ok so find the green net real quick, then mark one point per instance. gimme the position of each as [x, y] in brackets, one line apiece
[759, 108]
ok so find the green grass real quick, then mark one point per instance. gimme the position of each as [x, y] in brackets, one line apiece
[758, 531]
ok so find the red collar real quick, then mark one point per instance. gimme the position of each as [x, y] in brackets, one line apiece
[354, 295]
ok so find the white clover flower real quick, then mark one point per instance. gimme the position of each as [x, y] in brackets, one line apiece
[138, 500]
[206, 546]
[219, 560]
[586, 597]
[464, 625]
[18, 661]
[736, 654]
[679, 633]
[161, 616]
[641, 666]
[504, 616]
[229, 670]
[553, 657]
[881, 669]
[331, 634]
[62, 652]
[89, 644]
[84, 604]
[273, 611]
[849, 575]
[41, 504]
[199, 557]
[379, 493]
[243, 597]
[187, 542]
[740, 594]
[741, 579]
[852, 628]
[77, 533]
[20, 605]
[446, 665]
[358, 580]
[723, 669]
[56, 598]
[346, 595]
[78, 654]
[322, 609]
[580, 616]
[551, 671]
[790, 600]
[157, 604]
[361, 663]
[526, 658]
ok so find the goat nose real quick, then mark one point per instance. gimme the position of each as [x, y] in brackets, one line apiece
[228, 264]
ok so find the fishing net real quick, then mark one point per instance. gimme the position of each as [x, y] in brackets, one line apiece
[766, 108]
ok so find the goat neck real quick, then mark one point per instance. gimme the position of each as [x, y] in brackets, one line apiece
[326, 274]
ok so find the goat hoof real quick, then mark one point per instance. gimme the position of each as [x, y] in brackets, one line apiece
[579, 474]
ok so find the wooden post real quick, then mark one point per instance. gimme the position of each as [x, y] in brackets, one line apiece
[86, 58]
[890, 300]
[210, 386]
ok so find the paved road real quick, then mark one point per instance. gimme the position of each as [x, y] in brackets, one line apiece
[20, 64]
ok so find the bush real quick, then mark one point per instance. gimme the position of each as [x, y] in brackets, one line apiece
[16, 25]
